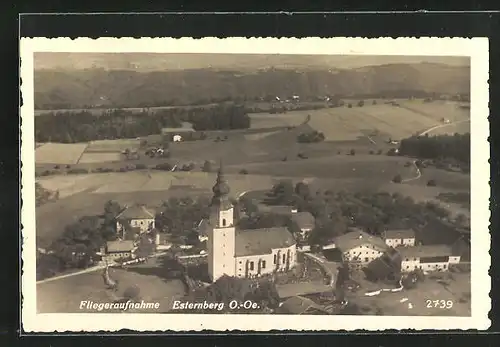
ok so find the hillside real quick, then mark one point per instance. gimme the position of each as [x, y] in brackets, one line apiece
[131, 88]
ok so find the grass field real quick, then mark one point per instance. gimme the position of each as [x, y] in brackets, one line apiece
[99, 157]
[461, 128]
[65, 295]
[348, 124]
[359, 166]
[457, 290]
[267, 120]
[113, 145]
[59, 153]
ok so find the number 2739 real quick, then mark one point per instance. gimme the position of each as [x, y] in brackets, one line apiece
[439, 304]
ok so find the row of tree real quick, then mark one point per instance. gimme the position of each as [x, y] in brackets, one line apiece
[77, 246]
[456, 147]
[335, 212]
[83, 126]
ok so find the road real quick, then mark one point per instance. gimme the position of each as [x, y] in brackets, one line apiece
[443, 125]
[419, 173]
[87, 270]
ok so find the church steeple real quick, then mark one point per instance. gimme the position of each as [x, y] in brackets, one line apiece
[221, 190]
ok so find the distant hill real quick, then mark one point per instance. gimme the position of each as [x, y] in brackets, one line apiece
[64, 88]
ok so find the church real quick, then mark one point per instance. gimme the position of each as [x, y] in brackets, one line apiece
[244, 253]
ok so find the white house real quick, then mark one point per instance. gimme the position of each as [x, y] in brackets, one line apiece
[244, 253]
[359, 248]
[136, 217]
[119, 249]
[177, 138]
[399, 237]
[427, 258]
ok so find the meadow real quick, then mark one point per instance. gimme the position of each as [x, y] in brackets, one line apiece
[386, 120]
[59, 153]
[65, 295]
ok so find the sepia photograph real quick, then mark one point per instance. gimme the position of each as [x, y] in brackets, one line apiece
[255, 180]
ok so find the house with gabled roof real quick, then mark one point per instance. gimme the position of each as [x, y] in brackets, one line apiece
[137, 218]
[399, 237]
[359, 248]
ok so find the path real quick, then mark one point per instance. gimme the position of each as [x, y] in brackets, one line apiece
[87, 270]
[419, 173]
[443, 125]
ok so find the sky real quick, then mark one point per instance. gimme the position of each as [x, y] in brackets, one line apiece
[181, 61]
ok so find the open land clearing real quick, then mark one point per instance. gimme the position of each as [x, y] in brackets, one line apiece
[99, 157]
[59, 153]
[113, 145]
[65, 295]
[267, 120]
[457, 290]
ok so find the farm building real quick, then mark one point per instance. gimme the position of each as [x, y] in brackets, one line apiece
[359, 248]
[136, 217]
[244, 253]
[427, 257]
[395, 238]
[178, 134]
[120, 249]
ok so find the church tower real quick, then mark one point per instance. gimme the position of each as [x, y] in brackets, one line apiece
[221, 236]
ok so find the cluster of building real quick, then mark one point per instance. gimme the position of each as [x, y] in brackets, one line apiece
[237, 252]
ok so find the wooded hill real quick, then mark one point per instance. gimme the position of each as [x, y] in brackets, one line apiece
[58, 89]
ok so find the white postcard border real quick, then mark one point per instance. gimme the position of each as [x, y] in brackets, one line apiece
[475, 48]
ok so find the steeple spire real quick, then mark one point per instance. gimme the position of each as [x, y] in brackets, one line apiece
[221, 188]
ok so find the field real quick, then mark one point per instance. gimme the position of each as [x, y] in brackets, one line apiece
[348, 124]
[457, 290]
[101, 157]
[59, 153]
[65, 295]
[267, 120]
[112, 145]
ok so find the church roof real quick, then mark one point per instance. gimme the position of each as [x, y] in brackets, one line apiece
[262, 241]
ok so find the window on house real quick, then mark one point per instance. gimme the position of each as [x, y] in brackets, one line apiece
[407, 266]
[366, 259]
[263, 264]
[251, 265]
[224, 222]
[275, 258]
[284, 258]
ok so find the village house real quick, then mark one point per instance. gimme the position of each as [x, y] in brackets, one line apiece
[244, 253]
[358, 248]
[427, 258]
[137, 217]
[178, 134]
[120, 249]
[399, 237]
[303, 221]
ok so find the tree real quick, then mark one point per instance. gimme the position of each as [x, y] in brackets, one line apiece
[349, 105]
[243, 172]
[431, 183]
[207, 166]
[397, 179]
[361, 103]
[282, 193]
[352, 152]
[302, 190]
